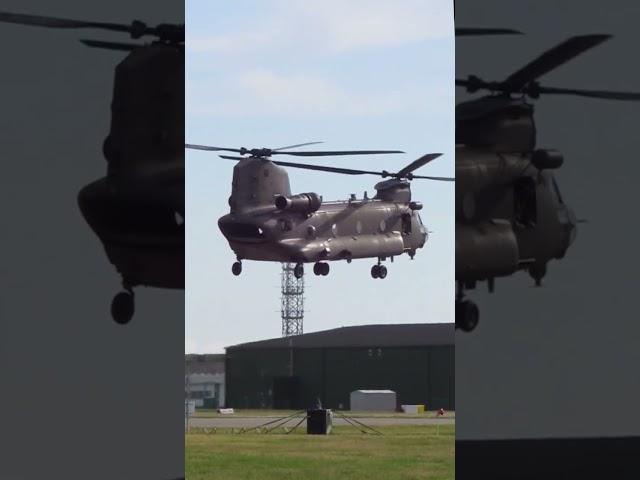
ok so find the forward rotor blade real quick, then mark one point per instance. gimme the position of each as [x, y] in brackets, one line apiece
[338, 153]
[229, 157]
[605, 94]
[127, 47]
[463, 32]
[420, 162]
[295, 146]
[210, 149]
[552, 59]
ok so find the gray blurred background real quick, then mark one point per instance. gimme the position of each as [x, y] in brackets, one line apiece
[81, 397]
[561, 360]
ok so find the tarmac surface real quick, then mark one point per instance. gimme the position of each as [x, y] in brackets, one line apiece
[250, 422]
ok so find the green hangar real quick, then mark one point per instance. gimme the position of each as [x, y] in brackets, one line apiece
[417, 361]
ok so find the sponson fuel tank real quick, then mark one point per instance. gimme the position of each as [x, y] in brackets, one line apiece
[486, 250]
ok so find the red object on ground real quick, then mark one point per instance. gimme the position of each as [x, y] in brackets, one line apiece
[441, 412]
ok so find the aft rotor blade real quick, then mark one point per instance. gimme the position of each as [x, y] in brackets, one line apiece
[210, 149]
[552, 59]
[53, 22]
[463, 32]
[605, 94]
[345, 171]
[296, 146]
[127, 47]
[338, 153]
[420, 162]
[322, 168]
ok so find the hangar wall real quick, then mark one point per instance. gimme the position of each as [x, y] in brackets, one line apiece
[295, 377]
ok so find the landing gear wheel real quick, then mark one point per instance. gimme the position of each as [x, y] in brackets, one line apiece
[467, 315]
[122, 308]
[325, 269]
[321, 268]
[375, 271]
[382, 271]
[298, 271]
[236, 268]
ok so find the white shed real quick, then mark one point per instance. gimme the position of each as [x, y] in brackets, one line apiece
[373, 400]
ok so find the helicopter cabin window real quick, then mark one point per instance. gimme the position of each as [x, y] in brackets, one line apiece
[285, 224]
[525, 203]
[406, 223]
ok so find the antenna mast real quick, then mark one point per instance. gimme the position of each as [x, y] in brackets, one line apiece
[291, 301]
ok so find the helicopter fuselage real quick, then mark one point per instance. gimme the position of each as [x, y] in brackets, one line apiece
[338, 230]
[304, 229]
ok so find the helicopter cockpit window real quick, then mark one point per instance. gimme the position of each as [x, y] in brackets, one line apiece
[406, 223]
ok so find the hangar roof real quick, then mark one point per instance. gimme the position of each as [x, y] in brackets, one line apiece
[209, 363]
[397, 335]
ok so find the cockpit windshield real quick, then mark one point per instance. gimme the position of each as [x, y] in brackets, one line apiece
[556, 189]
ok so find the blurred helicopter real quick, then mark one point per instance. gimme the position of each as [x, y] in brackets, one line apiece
[137, 210]
[266, 222]
[510, 214]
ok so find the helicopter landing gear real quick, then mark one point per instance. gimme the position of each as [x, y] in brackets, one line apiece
[467, 315]
[467, 312]
[123, 307]
[236, 268]
[321, 268]
[537, 271]
[298, 270]
[379, 271]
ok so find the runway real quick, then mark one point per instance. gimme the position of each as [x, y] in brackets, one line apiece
[250, 422]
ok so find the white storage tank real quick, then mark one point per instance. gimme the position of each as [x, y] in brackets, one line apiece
[373, 400]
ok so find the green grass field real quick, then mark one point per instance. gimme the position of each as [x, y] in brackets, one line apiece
[402, 452]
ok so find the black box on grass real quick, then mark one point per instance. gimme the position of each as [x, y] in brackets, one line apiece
[319, 421]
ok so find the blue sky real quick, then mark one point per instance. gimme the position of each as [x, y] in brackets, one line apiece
[361, 74]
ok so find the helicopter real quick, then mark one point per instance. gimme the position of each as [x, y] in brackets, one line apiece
[510, 213]
[267, 223]
[137, 209]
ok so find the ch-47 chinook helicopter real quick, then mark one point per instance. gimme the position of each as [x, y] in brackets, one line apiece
[266, 222]
[510, 215]
[137, 210]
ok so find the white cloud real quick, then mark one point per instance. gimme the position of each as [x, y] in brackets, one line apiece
[259, 92]
[333, 26]
[355, 24]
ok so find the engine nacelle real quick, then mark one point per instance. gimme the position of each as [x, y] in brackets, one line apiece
[303, 202]
[547, 159]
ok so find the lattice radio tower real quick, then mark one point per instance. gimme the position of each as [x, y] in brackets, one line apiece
[292, 301]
